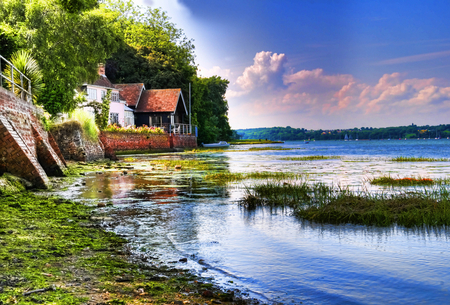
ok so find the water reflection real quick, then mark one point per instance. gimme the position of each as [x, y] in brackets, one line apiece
[168, 215]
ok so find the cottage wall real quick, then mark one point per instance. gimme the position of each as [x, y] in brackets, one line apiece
[25, 148]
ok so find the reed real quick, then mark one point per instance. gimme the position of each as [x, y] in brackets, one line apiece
[189, 163]
[328, 204]
[418, 159]
[310, 158]
[388, 180]
[223, 178]
[253, 141]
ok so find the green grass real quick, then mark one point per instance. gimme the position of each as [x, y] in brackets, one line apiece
[310, 158]
[269, 148]
[325, 204]
[223, 178]
[418, 159]
[87, 122]
[188, 164]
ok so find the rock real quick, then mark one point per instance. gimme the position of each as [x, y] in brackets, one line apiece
[178, 302]
[125, 172]
[178, 167]
[101, 204]
[183, 260]
[207, 294]
[158, 278]
[124, 279]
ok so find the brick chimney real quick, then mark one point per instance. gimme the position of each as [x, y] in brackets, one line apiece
[101, 70]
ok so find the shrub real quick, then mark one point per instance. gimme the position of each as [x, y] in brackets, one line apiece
[134, 129]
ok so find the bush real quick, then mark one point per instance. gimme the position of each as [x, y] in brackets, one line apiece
[134, 129]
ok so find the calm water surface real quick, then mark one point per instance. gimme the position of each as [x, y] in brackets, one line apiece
[268, 253]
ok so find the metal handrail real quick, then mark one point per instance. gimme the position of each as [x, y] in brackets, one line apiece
[13, 84]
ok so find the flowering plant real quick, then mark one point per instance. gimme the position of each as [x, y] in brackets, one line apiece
[134, 129]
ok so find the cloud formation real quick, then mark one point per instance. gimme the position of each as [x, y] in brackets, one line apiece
[315, 93]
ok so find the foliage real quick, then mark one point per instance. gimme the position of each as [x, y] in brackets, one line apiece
[25, 64]
[10, 41]
[310, 158]
[101, 110]
[155, 52]
[210, 109]
[87, 122]
[68, 39]
[133, 129]
[365, 133]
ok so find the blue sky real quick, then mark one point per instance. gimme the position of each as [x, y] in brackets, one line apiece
[323, 63]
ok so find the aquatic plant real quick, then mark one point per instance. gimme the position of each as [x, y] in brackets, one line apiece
[388, 180]
[328, 204]
[270, 148]
[418, 159]
[223, 178]
[253, 141]
[310, 158]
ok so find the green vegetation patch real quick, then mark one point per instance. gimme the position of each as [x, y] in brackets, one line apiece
[223, 178]
[310, 158]
[253, 141]
[387, 180]
[325, 204]
[419, 159]
[53, 252]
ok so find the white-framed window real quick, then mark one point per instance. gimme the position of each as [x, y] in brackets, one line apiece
[113, 118]
[114, 97]
[103, 93]
[128, 118]
[92, 93]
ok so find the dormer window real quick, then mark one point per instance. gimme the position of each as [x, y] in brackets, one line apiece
[115, 97]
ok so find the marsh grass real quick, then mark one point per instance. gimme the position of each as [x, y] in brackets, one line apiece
[87, 122]
[388, 180]
[418, 159]
[327, 204]
[310, 158]
[201, 150]
[223, 178]
[270, 148]
[189, 163]
[253, 141]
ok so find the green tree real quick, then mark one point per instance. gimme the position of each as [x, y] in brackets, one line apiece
[67, 38]
[210, 109]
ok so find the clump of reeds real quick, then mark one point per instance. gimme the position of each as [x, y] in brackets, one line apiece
[223, 178]
[418, 159]
[189, 163]
[310, 158]
[388, 180]
[327, 204]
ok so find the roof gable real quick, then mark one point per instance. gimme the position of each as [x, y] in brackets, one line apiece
[103, 81]
[131, 93]
[160, 100]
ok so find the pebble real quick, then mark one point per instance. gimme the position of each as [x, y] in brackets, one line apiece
[207, 294]
[101, 204]
[183, 260]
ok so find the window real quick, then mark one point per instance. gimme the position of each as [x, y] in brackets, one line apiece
[114, 118]
[114, 97]
[103, 93]
[92, 94]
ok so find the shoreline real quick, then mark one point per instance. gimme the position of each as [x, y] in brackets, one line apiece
[55, 250]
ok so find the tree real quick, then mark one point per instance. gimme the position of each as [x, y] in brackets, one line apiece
[68, 38]
[155, 52]
[210, 109]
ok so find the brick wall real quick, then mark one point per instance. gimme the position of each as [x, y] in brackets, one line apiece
[114, 141]
[25, 149]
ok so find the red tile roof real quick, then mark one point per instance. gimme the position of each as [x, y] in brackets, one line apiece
[103, 81]
[159, 100]
[130, 92]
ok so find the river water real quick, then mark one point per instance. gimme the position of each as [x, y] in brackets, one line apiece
[268, 253]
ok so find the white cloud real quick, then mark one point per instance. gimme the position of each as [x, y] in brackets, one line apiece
[335, 98]
[267, 69]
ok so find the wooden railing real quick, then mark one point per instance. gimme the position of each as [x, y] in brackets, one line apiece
[177, 128]
[8, 81]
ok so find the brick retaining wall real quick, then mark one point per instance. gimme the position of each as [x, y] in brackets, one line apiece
[25, 150]
[115, 141]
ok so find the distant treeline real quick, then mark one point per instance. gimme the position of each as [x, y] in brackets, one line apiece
[365, 133]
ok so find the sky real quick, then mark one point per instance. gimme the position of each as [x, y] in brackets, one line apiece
[323, 64]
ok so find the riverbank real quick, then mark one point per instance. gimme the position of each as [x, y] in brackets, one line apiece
[55, 251]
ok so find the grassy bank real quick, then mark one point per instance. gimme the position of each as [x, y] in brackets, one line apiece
[325, 204]
[223, 178]
[310, 158]
[413, 181]
[419, 159]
